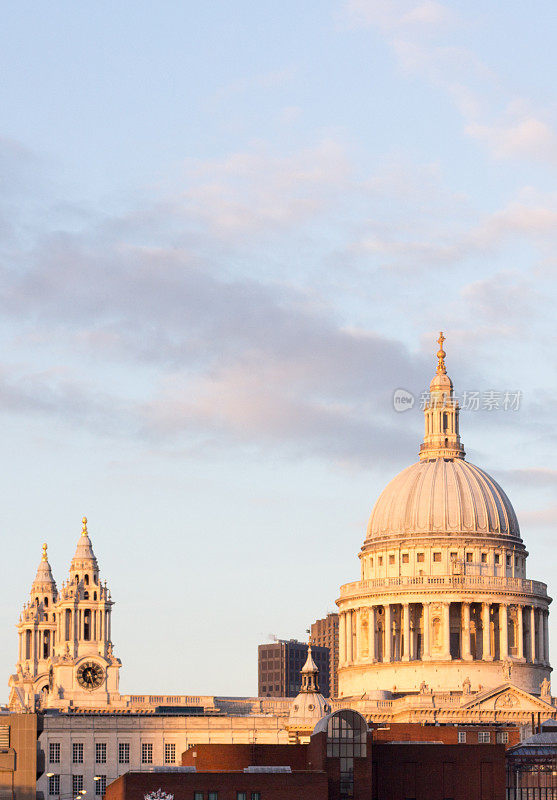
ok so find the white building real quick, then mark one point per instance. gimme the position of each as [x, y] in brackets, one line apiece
[444, 604]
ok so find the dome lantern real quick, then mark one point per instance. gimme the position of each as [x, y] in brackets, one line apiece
[441, 438]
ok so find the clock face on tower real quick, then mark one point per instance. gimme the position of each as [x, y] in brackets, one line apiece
[90, 675]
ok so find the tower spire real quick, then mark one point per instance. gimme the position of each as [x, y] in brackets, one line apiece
[309, 674]
[441, 439]
[441, 369]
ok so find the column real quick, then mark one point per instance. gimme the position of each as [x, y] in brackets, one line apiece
[371, 633]
[465, 653]
[486, 650]
[539, 641]
[426, 654]
[503, 631]
[342, 638]
[533, 648]
[349, 640]
[446, 631]
[520, 633]
[406, 632]
[388, 634]
[545, 615]
[359, 638]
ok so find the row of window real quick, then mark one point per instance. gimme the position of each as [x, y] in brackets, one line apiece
[215, 796]
[77, 785]
[420, 558]
[123, 753]
[484, 737]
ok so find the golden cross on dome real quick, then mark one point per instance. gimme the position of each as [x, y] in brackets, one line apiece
[441, 355]
[84, 526]
[45, 557]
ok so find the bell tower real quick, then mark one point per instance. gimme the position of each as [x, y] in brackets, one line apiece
[84, 669]
[37, 639]
[66, 657]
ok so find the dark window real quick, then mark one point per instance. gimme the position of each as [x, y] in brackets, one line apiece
[146, 753]
[123, 753]
[100, 753]
[77, 784]
[54, 752]
[169, 753]
[100, 785]
[54, 784]
[77, 753]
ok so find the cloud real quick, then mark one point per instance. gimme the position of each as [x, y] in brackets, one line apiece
[531, 138]
[396, 14]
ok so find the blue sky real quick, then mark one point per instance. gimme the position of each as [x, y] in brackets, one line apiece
[228, 232]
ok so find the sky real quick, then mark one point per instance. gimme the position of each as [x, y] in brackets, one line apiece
[229, 232]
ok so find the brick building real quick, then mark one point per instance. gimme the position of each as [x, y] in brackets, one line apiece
[279, 666]
[341, 761]
[324, 633]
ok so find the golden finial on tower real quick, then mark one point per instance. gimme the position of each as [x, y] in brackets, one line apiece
[441, 356]
[45, 557]
[84, 528]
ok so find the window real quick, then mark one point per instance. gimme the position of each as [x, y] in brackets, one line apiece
[503, 737]
[54, 784]
[371, 562]
[123, 753]
[100, 785]
[391, 559]
[484, 737]
[469, 557]
[146, 753]
[170, 753]
[462, 737]
[484, 558]
[54, 752]
[77, 753]
[508, 561]
[516, 561]
[256, 796]
[212, 796]
[77, 783]
[497, 558]
[437, 556]
[405, 558]
[198, 796]
[453, 556]
[420, 558]
[380, 560]
[241, 796]
[100, 753]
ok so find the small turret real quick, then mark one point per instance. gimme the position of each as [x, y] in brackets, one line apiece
[441, 439]
[309, 706]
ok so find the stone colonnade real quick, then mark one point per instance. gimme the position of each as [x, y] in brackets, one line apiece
[442, 631]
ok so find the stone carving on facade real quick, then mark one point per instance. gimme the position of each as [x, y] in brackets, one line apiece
[466, 686]
[545, 687]
[506, 700]
[507, 670]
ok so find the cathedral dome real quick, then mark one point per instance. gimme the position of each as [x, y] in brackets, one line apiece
[442, 496]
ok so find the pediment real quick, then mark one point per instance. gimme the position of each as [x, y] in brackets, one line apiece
[508, 698]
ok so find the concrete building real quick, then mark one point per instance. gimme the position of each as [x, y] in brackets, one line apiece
[279, 666]
[324, 633]
[444, 608]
